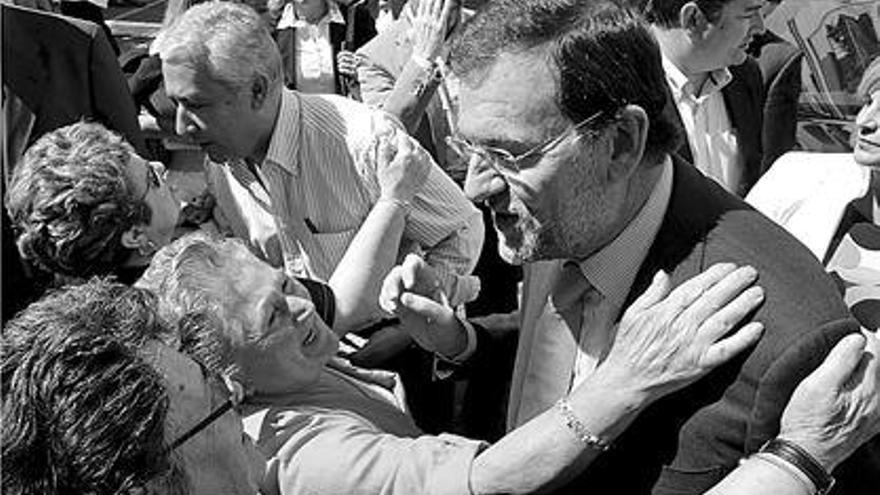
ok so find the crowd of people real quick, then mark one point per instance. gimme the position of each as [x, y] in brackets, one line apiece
[500, 246]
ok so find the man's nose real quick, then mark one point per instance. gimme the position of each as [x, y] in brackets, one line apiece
[758, 24]
[301, 309]
[183, 123]
[482, 181]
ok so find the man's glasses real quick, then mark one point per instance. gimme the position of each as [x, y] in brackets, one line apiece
[156, 173]
[505, 162]
[236, 397]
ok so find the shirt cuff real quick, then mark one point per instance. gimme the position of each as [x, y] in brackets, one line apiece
[444, 366]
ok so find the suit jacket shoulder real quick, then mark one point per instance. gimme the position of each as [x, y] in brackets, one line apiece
[688, 441]
[744, 99]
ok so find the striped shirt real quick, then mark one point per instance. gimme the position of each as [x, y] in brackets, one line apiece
[319, 182]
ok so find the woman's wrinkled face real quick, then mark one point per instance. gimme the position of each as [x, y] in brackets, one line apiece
[866, 137]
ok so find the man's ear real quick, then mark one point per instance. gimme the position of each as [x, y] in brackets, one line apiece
[134, 238]
[692, 19]
[259, 91]
[628, 142]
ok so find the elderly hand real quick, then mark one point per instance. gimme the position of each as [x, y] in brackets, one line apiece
[402, 166]
[837, 407]
[429, 27]
[412, 292]
[666, 341]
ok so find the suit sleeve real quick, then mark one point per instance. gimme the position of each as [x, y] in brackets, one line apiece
[748, 414]
[331, 451]
[113, 103]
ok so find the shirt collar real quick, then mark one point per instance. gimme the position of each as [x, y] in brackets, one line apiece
[284, 144]
[682, 87]
[289, 19]
[613, 268]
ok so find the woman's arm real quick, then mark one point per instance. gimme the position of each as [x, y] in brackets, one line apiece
[356, 281]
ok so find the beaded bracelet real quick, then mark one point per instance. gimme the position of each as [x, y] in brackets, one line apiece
[579, 429]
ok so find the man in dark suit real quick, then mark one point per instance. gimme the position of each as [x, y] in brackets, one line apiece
[716, 89]
[317, 24]
[562, 115]
[780, 63]
[56, 70]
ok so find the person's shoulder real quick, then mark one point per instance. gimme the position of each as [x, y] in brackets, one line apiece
[797, 175]
[47, 26]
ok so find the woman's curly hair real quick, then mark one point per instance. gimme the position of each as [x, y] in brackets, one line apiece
[70, 202]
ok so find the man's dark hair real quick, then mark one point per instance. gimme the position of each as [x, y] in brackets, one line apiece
[665, 13]
[605, 53]
[83, 411]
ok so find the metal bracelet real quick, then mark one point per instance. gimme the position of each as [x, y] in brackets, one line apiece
[579, 429]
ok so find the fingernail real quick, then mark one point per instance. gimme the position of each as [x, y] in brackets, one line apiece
[750, 271]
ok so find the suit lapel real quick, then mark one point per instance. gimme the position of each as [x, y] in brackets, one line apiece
[680, 243]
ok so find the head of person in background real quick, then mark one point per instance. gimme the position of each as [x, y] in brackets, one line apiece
[243, 317]
[117, 405]
[222, 70]
[85, 203]
[866, 135]
[701, 36]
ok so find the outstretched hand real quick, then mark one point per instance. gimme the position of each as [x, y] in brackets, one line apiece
[667, 340]
[412, 291]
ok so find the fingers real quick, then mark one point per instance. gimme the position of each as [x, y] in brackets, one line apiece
[411, 268]
[444, 15]
[723, 350]
[437, 9]
[840, 364]
[723, 320]
[655, 293]
[691, 290]
[714, 297]
[422, 306]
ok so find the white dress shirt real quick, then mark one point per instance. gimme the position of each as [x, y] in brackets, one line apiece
[611, 271]
[315, 68]
[711, 137]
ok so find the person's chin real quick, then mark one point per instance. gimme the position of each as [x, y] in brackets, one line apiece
[867, 158]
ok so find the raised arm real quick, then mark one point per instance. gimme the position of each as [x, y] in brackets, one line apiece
[401, 171]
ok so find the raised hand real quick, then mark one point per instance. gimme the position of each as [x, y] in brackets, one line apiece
[429, 27]
[666, 341]
[401, 166]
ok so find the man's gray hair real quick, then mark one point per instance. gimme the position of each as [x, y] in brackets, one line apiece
[190, 278]
[228, 40]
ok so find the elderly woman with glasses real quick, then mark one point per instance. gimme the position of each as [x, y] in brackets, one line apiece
[831, 203]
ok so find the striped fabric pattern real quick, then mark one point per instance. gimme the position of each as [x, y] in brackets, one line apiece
[320, 172]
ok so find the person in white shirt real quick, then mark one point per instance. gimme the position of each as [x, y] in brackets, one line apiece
[716, 88]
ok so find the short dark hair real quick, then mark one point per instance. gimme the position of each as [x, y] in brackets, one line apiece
[606, 57]
[83, 411]
[70, 202]
[664, 13]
